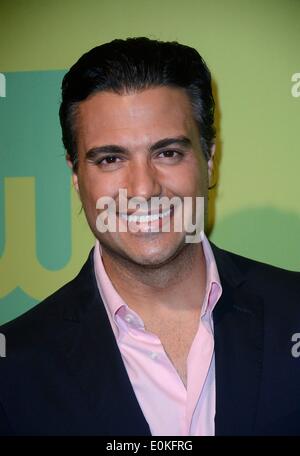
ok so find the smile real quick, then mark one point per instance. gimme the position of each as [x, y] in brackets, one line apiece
[145, 218]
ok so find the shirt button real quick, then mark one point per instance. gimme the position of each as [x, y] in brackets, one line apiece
[128, 318]
[153, 355]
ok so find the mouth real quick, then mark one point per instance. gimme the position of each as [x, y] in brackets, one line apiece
[145, 218]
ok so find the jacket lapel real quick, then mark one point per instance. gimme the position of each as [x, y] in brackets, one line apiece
[238, 327]
[95, 361]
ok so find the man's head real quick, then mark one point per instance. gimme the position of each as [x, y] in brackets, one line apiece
[132, 65]
[138, 114]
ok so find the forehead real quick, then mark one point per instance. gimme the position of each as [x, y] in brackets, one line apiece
[136, 117]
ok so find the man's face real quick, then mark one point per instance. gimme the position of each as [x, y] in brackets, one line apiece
[147, 143]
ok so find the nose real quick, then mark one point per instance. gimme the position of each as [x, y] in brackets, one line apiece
[143, 180]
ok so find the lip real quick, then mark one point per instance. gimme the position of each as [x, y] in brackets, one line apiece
[145, 217]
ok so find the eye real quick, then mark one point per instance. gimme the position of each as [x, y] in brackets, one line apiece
[108, 160]
[170, 154]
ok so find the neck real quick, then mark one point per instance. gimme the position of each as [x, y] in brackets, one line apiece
[177, 285]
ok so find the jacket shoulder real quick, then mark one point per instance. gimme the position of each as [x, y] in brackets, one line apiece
[39, 320]
[262, 277]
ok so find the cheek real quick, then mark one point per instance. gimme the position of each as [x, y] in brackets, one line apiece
[189, 181]
[201, 176]
[92, 185]
[90, 190]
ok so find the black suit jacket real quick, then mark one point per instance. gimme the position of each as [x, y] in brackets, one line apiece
[64, 375]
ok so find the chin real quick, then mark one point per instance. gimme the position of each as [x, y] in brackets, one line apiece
[155, 257]
[151, 261]
[144, 251]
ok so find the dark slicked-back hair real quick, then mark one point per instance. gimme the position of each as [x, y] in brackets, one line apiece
[134, 64]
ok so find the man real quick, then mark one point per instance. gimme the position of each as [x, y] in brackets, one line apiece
[156, 335]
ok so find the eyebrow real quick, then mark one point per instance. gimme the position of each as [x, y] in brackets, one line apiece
[94, 152]
[182, 141]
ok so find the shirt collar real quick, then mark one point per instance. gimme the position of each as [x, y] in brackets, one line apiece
[114, 303]
[213, 282]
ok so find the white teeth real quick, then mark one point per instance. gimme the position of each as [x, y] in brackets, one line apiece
[165, 214]
[145, 218]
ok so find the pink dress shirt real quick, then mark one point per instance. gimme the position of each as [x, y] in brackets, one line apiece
[169, 408]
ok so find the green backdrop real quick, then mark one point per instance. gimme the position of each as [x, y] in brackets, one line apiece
[252, 48]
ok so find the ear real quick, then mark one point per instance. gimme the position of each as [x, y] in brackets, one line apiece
[210, 165]
[74, 175]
